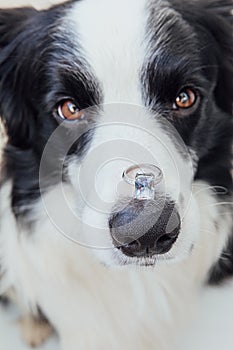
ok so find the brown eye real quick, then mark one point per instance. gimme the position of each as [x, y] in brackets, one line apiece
[185, 99]
[69, 110]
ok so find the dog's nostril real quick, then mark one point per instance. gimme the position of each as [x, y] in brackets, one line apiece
[165, 238]
[138, 232]
[133, 249]
[147, 247]
[135, 245]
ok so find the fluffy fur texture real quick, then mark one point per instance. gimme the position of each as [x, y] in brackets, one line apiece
[123, 63]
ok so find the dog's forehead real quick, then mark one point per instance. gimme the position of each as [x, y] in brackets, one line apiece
[111, 35]
[114, 37]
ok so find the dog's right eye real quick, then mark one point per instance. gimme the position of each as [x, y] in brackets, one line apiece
[185, 99]
[68, 110]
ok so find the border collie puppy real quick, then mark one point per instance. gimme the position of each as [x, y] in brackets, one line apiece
[91, 90]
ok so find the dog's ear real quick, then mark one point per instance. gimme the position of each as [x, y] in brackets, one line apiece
[14, 109]
[12, 22]
[213, 21]
[217, 16]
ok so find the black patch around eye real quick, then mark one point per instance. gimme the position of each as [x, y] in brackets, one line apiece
[75, 83]
[31, 85]
[175, 64]
[181, 52]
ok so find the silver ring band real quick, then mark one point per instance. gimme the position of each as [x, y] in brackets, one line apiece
[129, 175]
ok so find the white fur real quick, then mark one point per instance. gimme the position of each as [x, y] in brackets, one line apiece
[91, 306]
[112, 44]
[126, 133]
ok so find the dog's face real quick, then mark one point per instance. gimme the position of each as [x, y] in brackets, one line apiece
[99, 86]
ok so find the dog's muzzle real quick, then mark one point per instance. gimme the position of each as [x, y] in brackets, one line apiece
[149, 223]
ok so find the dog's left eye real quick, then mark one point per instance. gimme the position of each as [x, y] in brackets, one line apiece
[67, 109]
[186, 99]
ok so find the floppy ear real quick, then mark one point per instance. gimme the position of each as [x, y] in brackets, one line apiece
[212, 20]
[218, 19]
[14, 109]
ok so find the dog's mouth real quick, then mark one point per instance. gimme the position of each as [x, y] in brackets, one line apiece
[153, 260]
[146, 261]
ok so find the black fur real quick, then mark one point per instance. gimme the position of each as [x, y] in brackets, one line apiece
[224, 268]
[38, 66]
[4, 301]
[198, 55]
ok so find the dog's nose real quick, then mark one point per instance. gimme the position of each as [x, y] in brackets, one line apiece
[144, 229]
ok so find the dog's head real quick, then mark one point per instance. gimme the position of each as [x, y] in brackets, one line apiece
[90, 88]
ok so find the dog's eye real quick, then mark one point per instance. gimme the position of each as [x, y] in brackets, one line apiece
[185, 99]
[67, 109]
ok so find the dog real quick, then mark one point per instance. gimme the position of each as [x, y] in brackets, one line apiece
[92, 245]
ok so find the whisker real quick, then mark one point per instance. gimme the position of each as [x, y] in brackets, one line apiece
[225, 254]
[217, 204]
[224, 189]
[223, 258]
